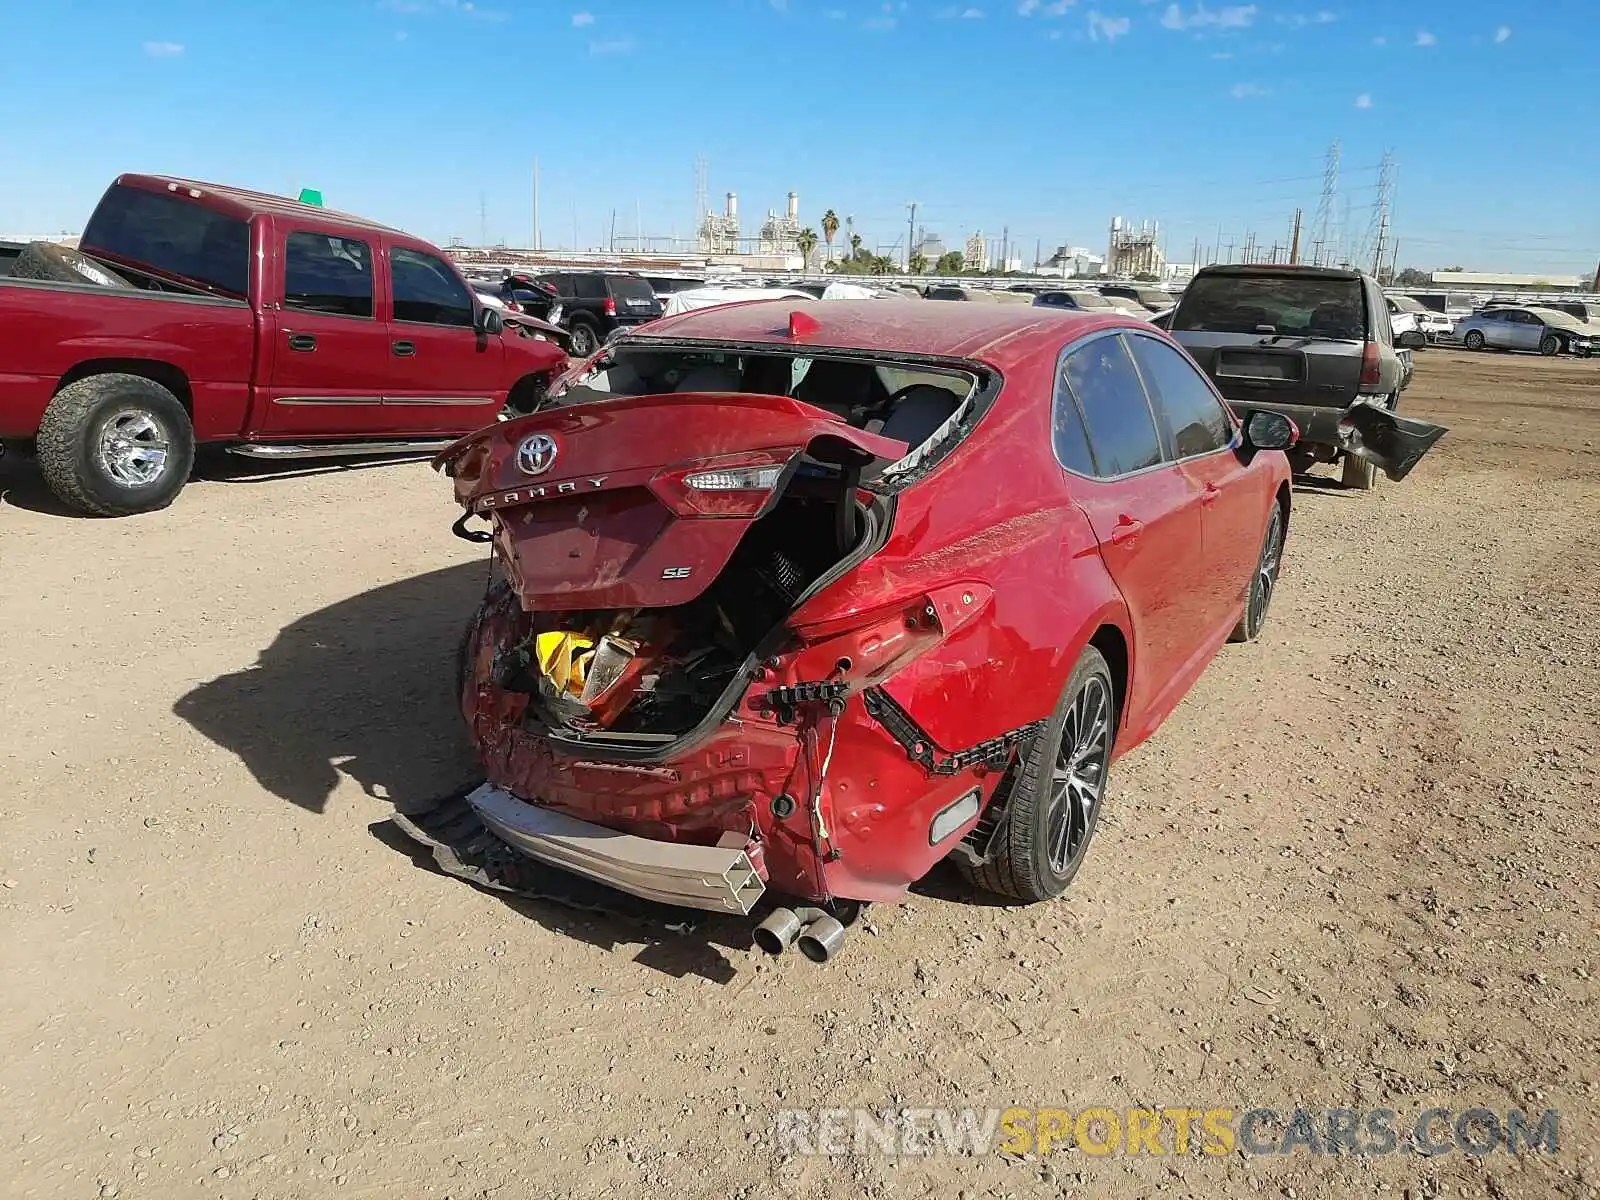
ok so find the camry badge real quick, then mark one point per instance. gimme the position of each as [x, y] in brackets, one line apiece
[536, 454]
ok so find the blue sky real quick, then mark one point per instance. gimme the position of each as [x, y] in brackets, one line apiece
[1043, 116]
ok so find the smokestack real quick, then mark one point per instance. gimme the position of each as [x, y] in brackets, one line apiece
[1597, 279]
[733, 205]
[794, 206]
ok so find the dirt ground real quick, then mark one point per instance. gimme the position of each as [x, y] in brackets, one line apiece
[1357, 867]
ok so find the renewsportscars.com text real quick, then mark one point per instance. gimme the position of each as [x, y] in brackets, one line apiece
[1160, 1131]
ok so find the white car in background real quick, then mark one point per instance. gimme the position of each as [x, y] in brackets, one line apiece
[1406, 313]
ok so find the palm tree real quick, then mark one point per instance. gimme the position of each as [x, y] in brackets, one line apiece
[855, 245]
[919, 262]
[807, 241]
[830, 229]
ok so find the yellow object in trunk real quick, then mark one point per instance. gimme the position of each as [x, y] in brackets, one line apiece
[564, 659]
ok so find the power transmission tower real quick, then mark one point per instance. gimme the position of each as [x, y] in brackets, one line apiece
[1378, 224]
[702, 190]
[1330, 191]
[911, 232]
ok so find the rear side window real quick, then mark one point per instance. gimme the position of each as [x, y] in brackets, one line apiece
[561, 283]
[1116, 411]
[589, 287]
[1299, 305]
[1192, 415]
[173, 236]
[327, 275]
[426, 291]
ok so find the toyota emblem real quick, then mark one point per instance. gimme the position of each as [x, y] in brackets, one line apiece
[536, 454]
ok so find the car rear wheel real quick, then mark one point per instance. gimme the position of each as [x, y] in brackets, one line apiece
[115, 444]
[1264, 582]
[1473, 340]
[1550, 345]
[1055, 805]
[585, 339]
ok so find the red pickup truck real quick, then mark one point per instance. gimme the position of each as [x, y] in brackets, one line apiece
[192, 313]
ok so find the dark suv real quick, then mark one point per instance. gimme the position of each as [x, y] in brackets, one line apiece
[596, 303]
[1314, 344]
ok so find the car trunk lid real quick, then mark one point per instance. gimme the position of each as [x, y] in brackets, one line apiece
[640, 502]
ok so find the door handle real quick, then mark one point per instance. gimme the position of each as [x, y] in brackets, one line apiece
[405, 349]
[1125, 530]
[303, 342]
[1209, 493]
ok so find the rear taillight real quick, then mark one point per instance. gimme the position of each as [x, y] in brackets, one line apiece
[1369, 365]
[611, 307]
[733, 485]
[513, 306]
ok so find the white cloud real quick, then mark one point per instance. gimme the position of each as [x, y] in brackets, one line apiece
[615, 46]
[1025, 9]
[1109, 29]
[1424, 38]
[163, 49]
[1380, 41]
[1300, 20]
[1223, 55]
[1058, 8]
[836, 14]
[1246, 91]
[1364, 100]
[581, 20]
[779, 5]
[1230, 16]
[972, 14]
[1503, 34]
[878, 23]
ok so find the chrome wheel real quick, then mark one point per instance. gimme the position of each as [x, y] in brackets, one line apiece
[1078, 779]
[133, 448]
[1267, 570]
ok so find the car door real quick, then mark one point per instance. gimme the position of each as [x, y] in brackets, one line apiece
[1525, 330]
[444, 376]
[1145, 511]
[1203, 438]
[329, 350]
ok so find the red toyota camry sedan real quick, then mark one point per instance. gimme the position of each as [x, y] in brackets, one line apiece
[789, 603]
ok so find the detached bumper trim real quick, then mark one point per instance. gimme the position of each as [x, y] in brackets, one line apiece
[718, 878]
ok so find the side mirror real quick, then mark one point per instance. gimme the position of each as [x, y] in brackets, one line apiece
[488, 320]
[1412, 339]
[1264, 430]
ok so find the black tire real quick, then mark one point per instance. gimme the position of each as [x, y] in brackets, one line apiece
[114, 445]
[1023, 865]
[1300, 462]
[63, 264]
[1265, 581]
[585, 339]
[1473, 340]
[1549, 345]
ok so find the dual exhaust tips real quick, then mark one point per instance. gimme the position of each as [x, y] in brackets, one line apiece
[819, 935]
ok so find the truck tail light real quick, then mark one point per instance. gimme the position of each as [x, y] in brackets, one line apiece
[611, 307]
[732, 485]
[1369, 365]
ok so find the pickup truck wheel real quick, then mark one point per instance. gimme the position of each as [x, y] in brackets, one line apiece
[62, 264]
[115, 444]
[585, 339]
[1055, 806]
[1550, 345]
[1264, 582]
[1473, 340]
[1358, 474]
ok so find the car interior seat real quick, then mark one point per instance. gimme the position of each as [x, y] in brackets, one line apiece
[713, 377]
[921, 409]
[846, 389]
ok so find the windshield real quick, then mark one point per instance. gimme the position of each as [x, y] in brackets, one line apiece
[1090, 300]
[172, 236]
[1297, 305]
[1406, 304]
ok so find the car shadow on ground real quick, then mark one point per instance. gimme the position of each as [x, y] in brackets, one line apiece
[361, 688]
[21, 485]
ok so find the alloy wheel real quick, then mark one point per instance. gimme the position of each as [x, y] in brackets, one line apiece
[133, 448]
[1078, 778]
[1266, 577]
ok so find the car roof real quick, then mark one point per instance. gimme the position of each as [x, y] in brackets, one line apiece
[999, 334]
[1290, 270]
[243, 203]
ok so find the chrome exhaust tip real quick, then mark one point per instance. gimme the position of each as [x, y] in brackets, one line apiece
[821, 939]
[778, 932]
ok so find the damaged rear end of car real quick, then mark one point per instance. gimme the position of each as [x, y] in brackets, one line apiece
[677, 655]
